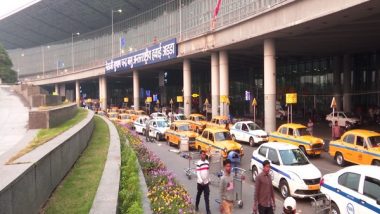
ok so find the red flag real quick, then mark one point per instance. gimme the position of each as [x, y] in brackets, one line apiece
[216, 10]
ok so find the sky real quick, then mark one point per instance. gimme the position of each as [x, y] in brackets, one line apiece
[9, 7]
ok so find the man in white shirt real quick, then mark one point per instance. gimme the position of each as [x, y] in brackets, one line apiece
[203, 181]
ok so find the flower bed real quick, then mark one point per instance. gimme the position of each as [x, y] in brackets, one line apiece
[165, 194]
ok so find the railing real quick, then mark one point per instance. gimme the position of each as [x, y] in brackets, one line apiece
[170, 20]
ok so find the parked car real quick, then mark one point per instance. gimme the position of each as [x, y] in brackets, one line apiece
[354, 189]
[219, 122]
[140, 123]
[125, 119]
[345, 119]
[157, 128]
[179, 117]
[113, 116]
[178, 130]
[198, 122]
[357, 146]
[297, 135]
[249, 132]
[217, 139]
[158, 115]
[291, 171]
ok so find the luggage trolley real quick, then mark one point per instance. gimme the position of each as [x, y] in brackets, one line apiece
[321, 203]
[193, 157]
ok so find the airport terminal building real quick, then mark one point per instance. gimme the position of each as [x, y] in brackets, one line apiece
[202, 49]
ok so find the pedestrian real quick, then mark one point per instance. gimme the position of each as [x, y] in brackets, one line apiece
[264, 201]
[202, 182]
[227, 189]
[310, 126]
[336, 133]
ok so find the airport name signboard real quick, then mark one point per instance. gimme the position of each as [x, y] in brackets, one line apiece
[157, 53]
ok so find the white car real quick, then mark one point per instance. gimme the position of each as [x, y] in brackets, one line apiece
[354, 189]
[177, 117]
[140, 124]
[157, 128]
[249, 132]
[345, 119]
[156, 115]
[291, 171]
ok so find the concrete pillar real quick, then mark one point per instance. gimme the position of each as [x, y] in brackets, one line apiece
[77, 92]
[103, 92]
[269, 85]
[215, 83]
[347, 83]
[136, 90]
[187, 87]
[224, 81]
[56, 88]
[337, 68]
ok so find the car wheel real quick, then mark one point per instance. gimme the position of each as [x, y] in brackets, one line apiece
[158, 137]
[376, 163]
[303, 149]
[251, 141]
[340, 159]
[334, 208]
[284, 189]
[233, 137]
[255, 173]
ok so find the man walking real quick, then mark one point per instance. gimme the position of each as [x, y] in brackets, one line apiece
[227, 189]
[264, 201]
[202, 182]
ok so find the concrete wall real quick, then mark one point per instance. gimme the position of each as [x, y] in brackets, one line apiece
[44, 100]
[42, 119]
[27, 185]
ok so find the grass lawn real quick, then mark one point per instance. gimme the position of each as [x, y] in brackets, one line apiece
[76, 192]
[44, 135]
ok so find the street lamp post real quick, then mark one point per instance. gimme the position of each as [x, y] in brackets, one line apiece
[72, 49]
[112, 12]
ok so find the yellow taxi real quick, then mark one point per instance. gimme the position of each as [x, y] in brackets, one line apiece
[198, 122]
[219, 122]
[125, 119]
[217, 139]
[180, 129]
[297, 135]
[113, 116]
[136, 114]
[357, 146]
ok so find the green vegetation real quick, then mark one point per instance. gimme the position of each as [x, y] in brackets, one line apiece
[6, 73]
[77, 191]
[129, 192]
[44, 135]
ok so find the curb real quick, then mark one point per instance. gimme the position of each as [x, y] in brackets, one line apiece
[106, 198]
[144, 189]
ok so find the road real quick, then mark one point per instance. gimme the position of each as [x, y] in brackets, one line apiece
[177, 164]
[14, 118]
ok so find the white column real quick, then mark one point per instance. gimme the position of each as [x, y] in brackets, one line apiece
[136, 90]
[224, 81]
[337, 67]
[187, 87]
[77, 92]
[346, 83]
[269, 85]
[103, 92]
[56, 88]
[215, 83]
[100, 88]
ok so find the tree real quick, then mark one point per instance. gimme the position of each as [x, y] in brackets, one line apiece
[7, 75]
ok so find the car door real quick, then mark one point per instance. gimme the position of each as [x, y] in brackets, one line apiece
[262, 155]
[341, 119]
[204, 138]
[348, 147]
[358, 154]
[290, 136]
[211, 142]
[152, 129]
[237, 131]
[370, 195]
[348, 190]
[244, 133]
[275, 163]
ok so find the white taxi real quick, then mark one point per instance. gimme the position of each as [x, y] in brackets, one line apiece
[140, 124]
[157, 128]
[291, 171]
[354, 189]
[249, 132]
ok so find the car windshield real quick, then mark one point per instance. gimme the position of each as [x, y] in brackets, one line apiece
[200, 118]
[220, 136]
[253, 126]
[162, 124]
[374, 141]
[302, 132]
[183, 128]
[180, 117]
[291, 157]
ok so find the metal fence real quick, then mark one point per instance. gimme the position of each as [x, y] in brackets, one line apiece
[181, 19]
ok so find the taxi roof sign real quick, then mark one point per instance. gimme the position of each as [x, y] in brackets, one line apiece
[333, 103]
[254, 102]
